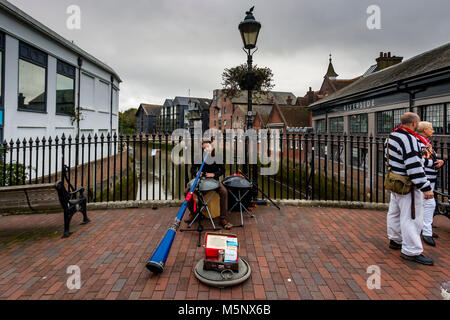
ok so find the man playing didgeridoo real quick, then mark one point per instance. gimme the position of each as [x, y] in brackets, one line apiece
[213, 171]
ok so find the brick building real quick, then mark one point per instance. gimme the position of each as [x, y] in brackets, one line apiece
[329, 86]
[223, 108]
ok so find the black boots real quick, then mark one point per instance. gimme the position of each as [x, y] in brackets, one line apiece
[419, 259]
[394, 245]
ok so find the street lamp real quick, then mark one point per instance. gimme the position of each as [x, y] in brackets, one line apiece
[249, 29]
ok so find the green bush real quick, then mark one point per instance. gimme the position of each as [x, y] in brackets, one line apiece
[12, 174]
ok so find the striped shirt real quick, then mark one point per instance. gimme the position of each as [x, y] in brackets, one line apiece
[404, 158]
[429, 158]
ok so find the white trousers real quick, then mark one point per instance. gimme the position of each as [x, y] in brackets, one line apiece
[401, 228]
[428, 212]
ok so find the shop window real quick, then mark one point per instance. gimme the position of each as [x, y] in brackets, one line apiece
[359, 123]
[32, 95]
[337, 125]
[389, 120]
[435, 115]
[321, 126]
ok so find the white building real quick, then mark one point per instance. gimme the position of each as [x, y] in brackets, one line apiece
[45, 80]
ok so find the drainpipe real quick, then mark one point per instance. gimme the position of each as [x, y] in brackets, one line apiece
[80, 63]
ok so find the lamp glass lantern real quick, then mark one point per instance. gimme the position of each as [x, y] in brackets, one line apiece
[249, 29]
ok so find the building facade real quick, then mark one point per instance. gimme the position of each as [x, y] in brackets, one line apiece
[49, 86]
[375, 103]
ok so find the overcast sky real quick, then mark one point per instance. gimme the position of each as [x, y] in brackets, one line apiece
[163, 48]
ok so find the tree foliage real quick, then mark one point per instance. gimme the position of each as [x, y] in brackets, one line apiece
[127, 121]
[233, 80]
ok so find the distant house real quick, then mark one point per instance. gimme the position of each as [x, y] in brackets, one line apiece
[146, 118]
[289, 119]
[182, 112]
[222, 110]
[198, 111]
[164, 119]
[260, 116]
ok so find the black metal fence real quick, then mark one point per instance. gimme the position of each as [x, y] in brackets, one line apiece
[138, 167]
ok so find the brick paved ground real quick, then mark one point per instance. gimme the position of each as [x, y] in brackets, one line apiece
[298, 253]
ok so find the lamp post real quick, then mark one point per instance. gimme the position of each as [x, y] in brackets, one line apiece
[249, 29]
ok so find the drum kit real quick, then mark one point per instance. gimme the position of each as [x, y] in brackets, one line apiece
[239, 188]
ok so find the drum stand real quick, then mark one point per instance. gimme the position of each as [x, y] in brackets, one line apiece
[199, 217]
[239, 198]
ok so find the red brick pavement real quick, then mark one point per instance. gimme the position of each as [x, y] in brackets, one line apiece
[295, 253]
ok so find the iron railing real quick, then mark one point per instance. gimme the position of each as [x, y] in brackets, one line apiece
[139, 167]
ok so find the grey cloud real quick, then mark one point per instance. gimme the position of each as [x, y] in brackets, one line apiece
[163, 48]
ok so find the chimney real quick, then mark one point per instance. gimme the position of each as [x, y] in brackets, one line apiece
[289, 101]
[385, 60]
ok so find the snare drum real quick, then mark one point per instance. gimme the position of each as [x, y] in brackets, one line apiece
[205, 184]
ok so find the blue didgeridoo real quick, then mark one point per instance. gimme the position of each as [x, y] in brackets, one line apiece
[159, 257]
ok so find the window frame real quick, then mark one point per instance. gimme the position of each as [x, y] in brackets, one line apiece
[336, 119]
[321, 121]
[359, 116]
[444, 116]
[392, 124]
[2, 86]
[44, 65]
[73, 77]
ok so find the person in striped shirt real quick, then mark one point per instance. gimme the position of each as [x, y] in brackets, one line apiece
[403, 224]
[431, 164]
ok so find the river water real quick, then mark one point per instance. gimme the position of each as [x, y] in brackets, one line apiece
[158, 177]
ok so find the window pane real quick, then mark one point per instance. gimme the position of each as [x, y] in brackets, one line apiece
[337, 125]
[435, 115]
[32, 95]
[385, 121]
[448, 118]
[320, 126]
[398, 113]
[358, 123]
[1, 79]
[65, 100]
[364, 123]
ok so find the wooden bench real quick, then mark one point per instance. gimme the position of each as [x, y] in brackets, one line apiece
[45, 198]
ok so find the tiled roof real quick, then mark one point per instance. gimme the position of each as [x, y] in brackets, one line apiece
[295, 116]
[342, 83]
[184, 101]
